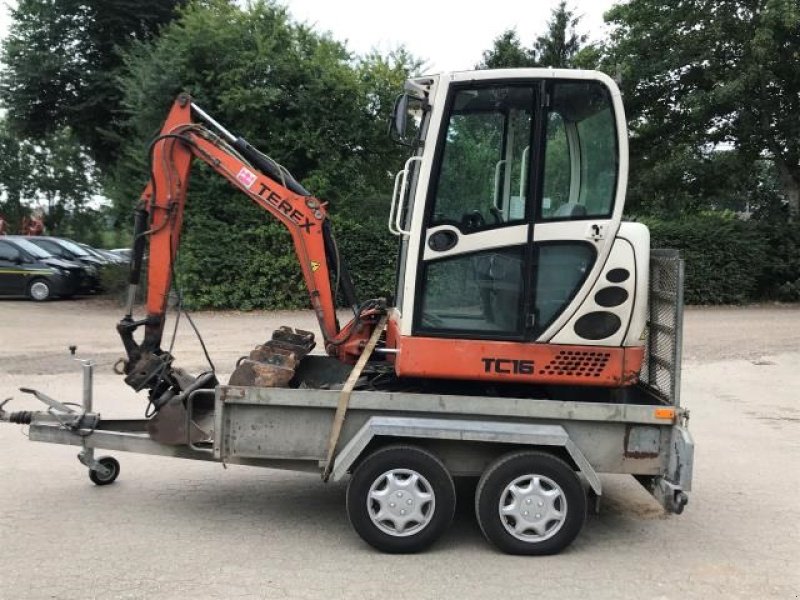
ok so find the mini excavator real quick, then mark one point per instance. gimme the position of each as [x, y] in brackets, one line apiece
[514, 263]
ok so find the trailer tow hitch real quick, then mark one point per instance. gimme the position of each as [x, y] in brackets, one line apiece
[77, 418]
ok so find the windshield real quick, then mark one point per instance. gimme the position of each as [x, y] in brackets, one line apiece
[92, 251]
[32, 249]
[74, 248]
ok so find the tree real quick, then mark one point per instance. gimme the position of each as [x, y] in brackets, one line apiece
[561, 43]
[53, 173]
[701, 76]
[560, 46]
[14, 167]
[60, 66]
[300, 96]
[507, 52]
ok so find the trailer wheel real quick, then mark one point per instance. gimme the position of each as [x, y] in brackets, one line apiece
[530, 503]
[109, 463]
[401, 499]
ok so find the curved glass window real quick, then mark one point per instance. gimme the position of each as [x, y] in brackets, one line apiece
[581, 154]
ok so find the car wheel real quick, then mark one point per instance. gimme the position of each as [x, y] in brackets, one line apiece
[39, 290]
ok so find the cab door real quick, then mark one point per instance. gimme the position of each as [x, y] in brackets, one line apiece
[471, 273]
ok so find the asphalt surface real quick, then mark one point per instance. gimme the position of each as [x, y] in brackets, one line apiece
[183, 529]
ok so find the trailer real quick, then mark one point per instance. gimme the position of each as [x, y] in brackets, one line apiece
[538, 459]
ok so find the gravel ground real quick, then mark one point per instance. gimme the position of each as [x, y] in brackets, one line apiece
[182, 529]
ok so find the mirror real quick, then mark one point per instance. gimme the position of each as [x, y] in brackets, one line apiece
[405, 126]
[400, 119]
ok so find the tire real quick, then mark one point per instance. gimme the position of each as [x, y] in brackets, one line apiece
[514, 487]
[109, 463]
[39, 290]
[418, 482]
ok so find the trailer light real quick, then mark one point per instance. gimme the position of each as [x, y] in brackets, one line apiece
[665, 413]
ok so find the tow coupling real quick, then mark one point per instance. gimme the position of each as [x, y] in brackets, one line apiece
[77, 418]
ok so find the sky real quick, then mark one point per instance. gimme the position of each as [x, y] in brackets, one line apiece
[449, 34]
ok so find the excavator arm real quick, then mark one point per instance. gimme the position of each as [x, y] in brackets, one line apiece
[189, 133]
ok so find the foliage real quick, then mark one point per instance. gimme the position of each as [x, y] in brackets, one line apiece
[507, 52]
[61, 62]
[703, 76]
[53, 172]
[297, 94]
[730, 261]
[560, 46]
[779, 278]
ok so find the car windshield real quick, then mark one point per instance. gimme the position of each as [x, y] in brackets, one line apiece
[73, 247]
[93, 251]
[32, 249]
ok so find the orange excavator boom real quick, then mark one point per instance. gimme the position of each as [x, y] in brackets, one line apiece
[189, 133]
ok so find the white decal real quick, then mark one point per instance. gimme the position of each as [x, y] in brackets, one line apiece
[246, 177]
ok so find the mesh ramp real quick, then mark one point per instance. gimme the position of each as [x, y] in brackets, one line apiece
[661, 368]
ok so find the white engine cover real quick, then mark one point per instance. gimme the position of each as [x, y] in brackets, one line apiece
[620, 290]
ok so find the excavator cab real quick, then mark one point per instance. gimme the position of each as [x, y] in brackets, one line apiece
[514, 261]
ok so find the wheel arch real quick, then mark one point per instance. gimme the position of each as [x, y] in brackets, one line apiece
[488, 439]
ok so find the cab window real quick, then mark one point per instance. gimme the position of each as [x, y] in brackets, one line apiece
[482, 180]
[581, 155]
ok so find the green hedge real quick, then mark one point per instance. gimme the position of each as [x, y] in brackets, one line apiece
[235, 256]
[730, 261]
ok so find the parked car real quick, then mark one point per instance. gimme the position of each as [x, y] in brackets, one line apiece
[105, 255]
[123, 252]
[27, 270]
[69, 250]
[118, 258]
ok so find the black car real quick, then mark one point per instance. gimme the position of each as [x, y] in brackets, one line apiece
[105, 255]
[69, 250]
[27, 270]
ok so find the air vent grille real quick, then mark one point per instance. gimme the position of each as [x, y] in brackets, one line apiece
[577, 363]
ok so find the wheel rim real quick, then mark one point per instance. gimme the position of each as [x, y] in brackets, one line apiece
[111, 470]
[39, 290]
[533, 508]
[401, 502]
